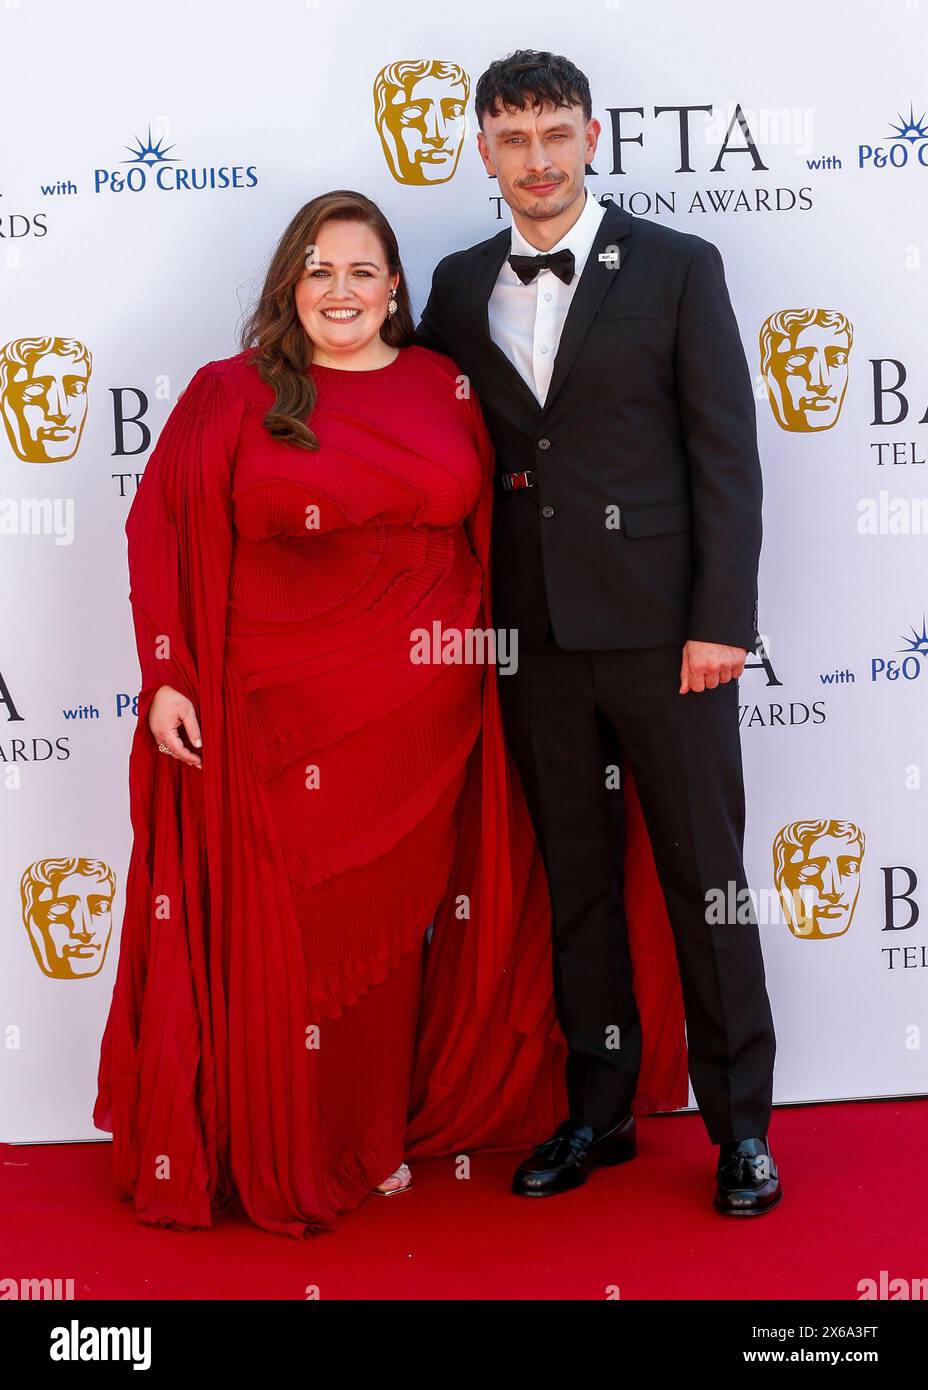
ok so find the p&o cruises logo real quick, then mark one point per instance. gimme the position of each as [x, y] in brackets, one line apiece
[907, 148]
[152, 166]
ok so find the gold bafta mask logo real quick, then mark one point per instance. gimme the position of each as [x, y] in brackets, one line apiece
[68, 913]
[804, 359]
[816, 867]
[43, 393]
[419, 108]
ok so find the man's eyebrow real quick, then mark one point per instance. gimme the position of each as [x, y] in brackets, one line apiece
[515, 130]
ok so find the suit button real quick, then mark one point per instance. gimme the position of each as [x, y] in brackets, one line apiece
[547, 511]
[544, 443]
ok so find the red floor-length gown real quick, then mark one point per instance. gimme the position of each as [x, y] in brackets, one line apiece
[272, 1038]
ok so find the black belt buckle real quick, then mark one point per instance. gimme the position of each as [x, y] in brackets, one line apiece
[512, 482]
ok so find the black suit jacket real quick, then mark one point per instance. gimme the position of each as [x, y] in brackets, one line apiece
[651, 412]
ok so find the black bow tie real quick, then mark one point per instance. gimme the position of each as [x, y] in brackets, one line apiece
[560, 262]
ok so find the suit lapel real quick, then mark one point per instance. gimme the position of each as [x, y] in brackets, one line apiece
[595, 280]
[492, 255]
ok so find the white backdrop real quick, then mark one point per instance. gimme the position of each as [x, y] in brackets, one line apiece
[829, 215]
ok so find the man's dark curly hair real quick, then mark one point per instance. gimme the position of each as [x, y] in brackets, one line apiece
[529, 77]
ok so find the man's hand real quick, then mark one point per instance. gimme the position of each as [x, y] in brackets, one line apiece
[706, 664]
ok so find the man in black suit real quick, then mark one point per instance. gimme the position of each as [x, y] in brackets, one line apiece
[626, 537]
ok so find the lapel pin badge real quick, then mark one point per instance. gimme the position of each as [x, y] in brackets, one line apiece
[611, 257]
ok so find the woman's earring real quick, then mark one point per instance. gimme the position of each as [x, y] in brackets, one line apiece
[392, 306]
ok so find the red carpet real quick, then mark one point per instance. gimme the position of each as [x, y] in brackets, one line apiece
[854, 1205]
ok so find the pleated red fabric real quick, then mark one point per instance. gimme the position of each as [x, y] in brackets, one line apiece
[280, 1035]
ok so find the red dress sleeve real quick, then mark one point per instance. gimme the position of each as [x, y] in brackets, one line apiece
[194, 449]
[489, 1063]
[179, 532]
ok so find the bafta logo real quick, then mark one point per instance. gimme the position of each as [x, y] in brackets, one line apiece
[43, 394]
[67, 909]
[804, 359]
[419, 108]
[816, 866]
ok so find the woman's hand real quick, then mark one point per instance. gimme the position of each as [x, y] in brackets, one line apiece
[168, 712]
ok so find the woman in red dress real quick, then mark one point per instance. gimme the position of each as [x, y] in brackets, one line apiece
[308, 794]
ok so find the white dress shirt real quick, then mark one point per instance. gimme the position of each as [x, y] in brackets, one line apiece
[526, 320]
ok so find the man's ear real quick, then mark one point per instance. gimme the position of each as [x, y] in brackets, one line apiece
[593, 131]
[484, 151]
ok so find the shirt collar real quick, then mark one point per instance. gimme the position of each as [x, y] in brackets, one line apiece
[579, 238]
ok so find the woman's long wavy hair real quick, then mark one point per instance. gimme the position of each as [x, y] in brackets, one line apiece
[282, 347]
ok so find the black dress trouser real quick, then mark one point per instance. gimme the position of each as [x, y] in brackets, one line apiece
[568, 717]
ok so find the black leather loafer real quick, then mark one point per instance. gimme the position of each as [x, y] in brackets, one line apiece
[747, 1181]
[566, 1159]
